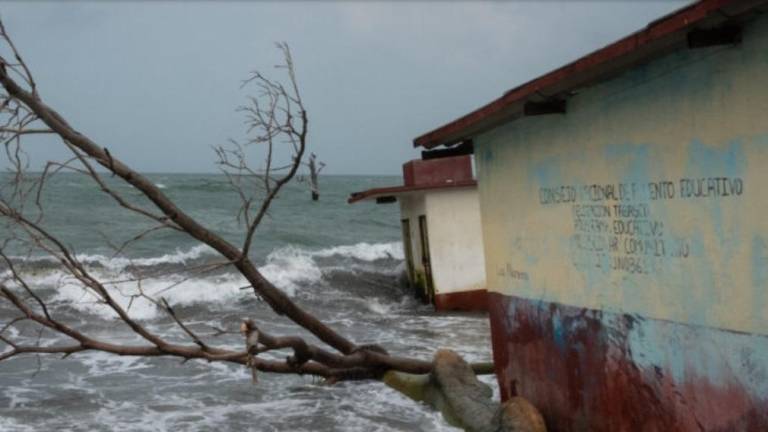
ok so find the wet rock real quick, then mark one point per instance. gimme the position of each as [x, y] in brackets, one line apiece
[519, 415]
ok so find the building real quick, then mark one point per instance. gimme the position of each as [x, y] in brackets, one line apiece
[622, 199]
[442, 239]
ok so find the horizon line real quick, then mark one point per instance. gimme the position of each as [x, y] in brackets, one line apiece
[6, 170]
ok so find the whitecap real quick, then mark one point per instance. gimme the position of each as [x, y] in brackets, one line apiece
[176, 289]
[379, 307]
[118, 263]
[179, 256]
[365, 251]
[289, 268]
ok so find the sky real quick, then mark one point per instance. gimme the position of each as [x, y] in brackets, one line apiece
[158, 83]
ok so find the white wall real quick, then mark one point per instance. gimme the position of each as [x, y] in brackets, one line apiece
[455, 240]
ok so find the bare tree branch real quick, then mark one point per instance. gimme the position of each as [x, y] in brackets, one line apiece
[276, 122]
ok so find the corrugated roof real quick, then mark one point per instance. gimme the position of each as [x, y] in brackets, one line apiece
[656, 39]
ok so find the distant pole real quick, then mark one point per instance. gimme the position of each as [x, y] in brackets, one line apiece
[313, 173]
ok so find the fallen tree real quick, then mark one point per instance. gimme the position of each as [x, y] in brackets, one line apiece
[276, 120]
[466, 402]
[276, 117]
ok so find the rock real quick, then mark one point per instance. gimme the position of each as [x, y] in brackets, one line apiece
[519, 415]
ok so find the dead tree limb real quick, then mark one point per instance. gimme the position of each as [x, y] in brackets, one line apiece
[277, 117]
[279, 302]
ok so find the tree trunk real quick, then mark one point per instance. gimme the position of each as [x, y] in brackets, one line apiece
[466, 402]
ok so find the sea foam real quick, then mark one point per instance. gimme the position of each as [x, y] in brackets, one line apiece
[365, 251]
[290, 268]
[118, 263]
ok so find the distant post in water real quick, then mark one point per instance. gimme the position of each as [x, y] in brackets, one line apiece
[314, 170]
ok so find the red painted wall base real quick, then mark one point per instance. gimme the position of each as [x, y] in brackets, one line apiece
[592, 370]
[474, 300]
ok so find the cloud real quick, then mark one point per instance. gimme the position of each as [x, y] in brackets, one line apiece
[158, 82]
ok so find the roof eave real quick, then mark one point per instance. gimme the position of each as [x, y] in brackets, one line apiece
[656, 39]
[406, 190]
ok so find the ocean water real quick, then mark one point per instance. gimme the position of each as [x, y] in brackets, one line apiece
[341, 262]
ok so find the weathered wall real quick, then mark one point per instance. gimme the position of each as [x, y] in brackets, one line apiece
[628, 243]
[411, 206]
[456, 248]
[456, 241]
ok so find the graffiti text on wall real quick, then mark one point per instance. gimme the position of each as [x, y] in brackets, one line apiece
[615, 230]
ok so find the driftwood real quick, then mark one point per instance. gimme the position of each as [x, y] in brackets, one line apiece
[466, 402]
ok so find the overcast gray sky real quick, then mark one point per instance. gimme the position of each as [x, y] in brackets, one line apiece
[158, 83]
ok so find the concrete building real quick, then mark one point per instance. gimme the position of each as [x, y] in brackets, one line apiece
[622, 201]
[442, 238]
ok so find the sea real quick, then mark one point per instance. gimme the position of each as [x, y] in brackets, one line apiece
[341, 262]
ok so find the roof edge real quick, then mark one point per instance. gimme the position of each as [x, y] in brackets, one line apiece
[396, 190]
[656, 30]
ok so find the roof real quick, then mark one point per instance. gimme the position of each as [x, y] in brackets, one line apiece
[403, 190]
[656, 39]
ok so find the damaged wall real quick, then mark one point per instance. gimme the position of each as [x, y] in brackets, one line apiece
[626, 244]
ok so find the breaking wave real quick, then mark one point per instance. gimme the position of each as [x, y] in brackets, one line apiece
[366, 251]
[121, 263]
[293, 269]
